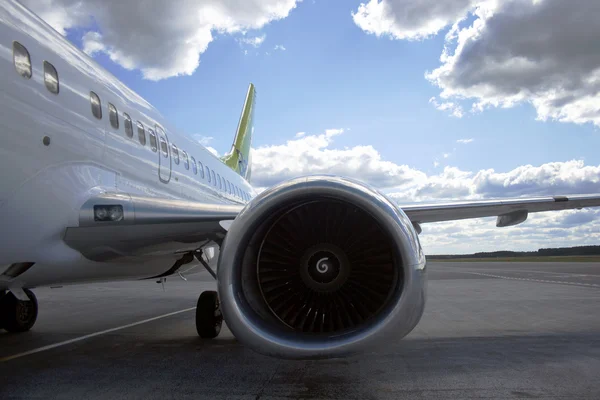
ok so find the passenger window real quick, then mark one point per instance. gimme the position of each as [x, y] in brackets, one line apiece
[214, 178]
[21, 60]
[113, 116]
[96, 105]
[201, 168]
[208, 173]
[186, 162]
[175, 154]
[128, 125]
[163, 147]
[50, 77]
[153, 144]
[220, 183]
[229, 187]
[194, 166]
[142, 134]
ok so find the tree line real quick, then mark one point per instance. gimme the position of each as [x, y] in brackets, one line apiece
[560, 251]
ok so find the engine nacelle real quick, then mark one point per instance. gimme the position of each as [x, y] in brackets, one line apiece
[320, 267]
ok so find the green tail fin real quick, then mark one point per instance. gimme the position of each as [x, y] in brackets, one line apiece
[238, 158]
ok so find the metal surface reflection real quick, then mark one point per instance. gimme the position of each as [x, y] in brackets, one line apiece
[251, 315]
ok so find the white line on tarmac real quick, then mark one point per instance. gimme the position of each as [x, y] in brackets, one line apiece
[592, 285]
[522, 271]
[91, 335]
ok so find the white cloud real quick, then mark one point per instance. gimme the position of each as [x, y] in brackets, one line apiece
[454, 109]
[410, 19]
[314, 154]
[436, 164]
[203, 140]
[541, 52]
[60, 14]
[465, 141]
[311, 154]
[541, 230]
[164, 40]
[255, 41]
[279, 47]
[213, 150]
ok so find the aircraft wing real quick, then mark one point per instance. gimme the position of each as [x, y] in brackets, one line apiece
[154, 226]
[509, 211]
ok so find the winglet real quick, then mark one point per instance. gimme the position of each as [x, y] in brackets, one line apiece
[239, 158]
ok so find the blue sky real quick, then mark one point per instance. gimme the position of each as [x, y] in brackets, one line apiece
[360, 69]
[334, 75]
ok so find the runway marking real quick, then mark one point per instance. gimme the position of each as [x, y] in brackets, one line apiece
[544, 272]
[91, 335]
[536, 280]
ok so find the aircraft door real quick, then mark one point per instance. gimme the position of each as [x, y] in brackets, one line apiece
[164, 156]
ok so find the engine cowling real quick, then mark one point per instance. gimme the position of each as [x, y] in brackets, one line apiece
[320, 267]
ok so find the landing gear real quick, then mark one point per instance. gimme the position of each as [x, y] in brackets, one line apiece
[208, 315]
[18, 315]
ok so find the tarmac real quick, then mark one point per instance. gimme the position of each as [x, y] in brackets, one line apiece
[490, 330]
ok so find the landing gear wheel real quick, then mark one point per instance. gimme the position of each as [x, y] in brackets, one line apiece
[2, 294]
[208, 315]
[17, 315]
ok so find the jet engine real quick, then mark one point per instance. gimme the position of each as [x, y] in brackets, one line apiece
[320, 267]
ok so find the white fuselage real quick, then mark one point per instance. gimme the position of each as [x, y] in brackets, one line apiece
[43, 186]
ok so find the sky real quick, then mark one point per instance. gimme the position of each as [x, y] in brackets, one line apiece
[426, 100]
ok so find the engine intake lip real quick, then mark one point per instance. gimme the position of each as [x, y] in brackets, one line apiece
[254, 325]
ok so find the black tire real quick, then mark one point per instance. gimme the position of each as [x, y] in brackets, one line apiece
[208, 315]
[2, 294]
[17, 315]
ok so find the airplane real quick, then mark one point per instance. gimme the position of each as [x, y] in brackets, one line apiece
[97, 186]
